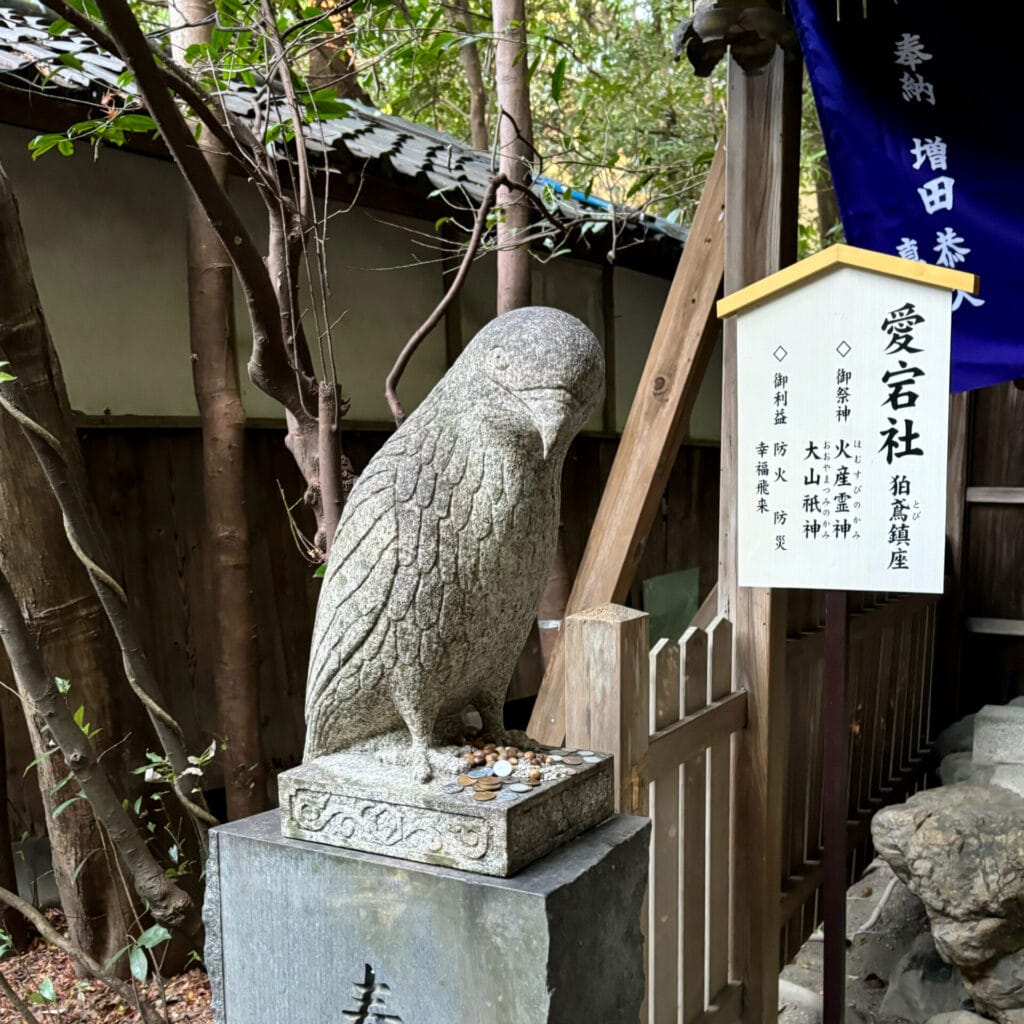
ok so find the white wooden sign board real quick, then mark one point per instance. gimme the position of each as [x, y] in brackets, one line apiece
[843, 403]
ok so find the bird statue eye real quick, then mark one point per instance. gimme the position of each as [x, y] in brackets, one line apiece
[499, 359]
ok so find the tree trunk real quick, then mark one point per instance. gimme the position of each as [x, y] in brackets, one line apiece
[332, 65]
[10, 921]
[57, 598]
[222, 416]
[168, 904]
[469, 54]
[821, 174]
[515, 139]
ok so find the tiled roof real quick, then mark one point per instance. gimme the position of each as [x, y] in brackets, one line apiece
[31, 55]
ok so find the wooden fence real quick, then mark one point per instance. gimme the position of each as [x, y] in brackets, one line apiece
[891, 644]
[669, 716]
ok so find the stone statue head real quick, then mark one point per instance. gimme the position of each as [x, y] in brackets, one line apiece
[540, 371]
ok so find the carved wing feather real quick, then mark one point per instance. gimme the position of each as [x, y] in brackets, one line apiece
[394, 567]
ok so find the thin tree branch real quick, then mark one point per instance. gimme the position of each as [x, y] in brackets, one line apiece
[269, 365]
[169, 904]
[16, 1001]
[127, 992]
[85, 538]
[490, 196]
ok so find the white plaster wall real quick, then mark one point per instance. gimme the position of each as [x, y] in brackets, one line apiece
[106, 239]
[107, 242]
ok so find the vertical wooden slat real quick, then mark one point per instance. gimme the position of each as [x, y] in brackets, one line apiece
[886, 662]
[951, 610]
[797, 789]
[915, 686]
[663, 916]
[608, 696]
[817, 760]
[900, 763]
[719, 800]
[694, 651]
[930, 646]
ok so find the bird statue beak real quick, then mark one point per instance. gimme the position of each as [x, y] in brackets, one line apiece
[551, 409]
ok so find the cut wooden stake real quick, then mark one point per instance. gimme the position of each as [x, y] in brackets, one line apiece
[656, 426]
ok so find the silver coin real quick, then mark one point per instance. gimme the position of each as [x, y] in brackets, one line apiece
[585, 753]
[592, 759]
[507, 795]
[503, 769]
[519, 787]
[479, 773]
[451, 787]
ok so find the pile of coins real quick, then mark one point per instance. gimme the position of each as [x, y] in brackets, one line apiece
[485, 787]
[496, 772]
[482, 753]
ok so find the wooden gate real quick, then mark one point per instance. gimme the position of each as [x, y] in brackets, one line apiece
[668, 715]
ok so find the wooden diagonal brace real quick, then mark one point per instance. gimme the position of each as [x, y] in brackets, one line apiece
[657, 424]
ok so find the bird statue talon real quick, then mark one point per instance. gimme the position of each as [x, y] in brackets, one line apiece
[446, 541]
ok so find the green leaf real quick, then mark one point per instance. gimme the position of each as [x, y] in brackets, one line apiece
[61, 808]
[63, 782]
[47, 991]
[82, 863]
[136, 123]
[63, 685]
[65, 147]
[318, 574]
[153, 936]
[58, 26]
[71, 61]
[558, 79]
[138, 963]
[39, 760]
[43, 144]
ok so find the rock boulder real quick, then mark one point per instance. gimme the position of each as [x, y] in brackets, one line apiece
[961, 850]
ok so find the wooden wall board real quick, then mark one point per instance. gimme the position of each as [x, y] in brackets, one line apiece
[148, 484]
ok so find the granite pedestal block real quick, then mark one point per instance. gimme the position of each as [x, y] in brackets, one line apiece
[350, 800]
[304, 933]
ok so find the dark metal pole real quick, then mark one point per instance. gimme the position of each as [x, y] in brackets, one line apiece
[837, 732]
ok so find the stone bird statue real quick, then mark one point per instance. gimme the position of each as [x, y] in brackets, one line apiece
[445, 544]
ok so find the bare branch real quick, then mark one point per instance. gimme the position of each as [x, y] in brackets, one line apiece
[273, 373]
[169, 904]
[127, 992]
[16, 1001]
[490, 196]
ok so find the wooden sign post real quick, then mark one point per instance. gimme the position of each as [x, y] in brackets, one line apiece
[843, 397]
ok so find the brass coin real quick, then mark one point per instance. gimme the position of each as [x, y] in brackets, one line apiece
[486, 785]
[572, 760]
[465, 780]
[485, 795]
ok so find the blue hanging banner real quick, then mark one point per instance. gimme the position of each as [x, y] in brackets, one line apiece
[922, 130]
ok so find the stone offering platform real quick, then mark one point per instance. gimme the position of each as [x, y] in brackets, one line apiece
[314, 934]
[354, 801]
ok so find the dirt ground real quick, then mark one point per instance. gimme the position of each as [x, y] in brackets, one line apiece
[88, 1002]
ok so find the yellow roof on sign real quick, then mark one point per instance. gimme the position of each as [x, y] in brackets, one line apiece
[846, 256]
